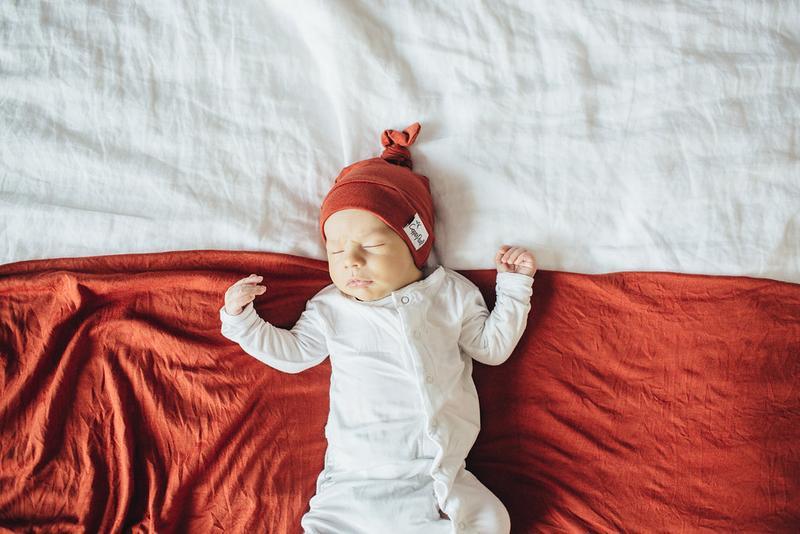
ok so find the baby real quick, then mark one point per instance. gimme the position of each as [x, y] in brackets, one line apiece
[401, 335]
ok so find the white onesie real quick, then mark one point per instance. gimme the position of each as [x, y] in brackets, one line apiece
[404, 410]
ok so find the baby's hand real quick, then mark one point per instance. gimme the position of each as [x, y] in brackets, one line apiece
[242, 293]
[515, 260]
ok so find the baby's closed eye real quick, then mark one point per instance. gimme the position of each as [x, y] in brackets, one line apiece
[365, 246]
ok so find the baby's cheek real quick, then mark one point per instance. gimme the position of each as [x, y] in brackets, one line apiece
[332, 269]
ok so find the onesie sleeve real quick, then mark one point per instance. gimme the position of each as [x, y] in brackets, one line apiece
[290, 351]
[490, 338]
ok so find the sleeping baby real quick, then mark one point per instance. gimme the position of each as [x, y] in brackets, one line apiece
[401, 335]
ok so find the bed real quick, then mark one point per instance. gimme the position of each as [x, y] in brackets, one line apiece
[153, 153]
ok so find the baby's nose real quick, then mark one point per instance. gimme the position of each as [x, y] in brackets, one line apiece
[353, 260]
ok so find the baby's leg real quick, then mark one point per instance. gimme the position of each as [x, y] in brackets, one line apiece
[479, 510]
[368, 506]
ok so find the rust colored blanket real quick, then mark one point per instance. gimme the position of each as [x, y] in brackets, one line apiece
[634, 402]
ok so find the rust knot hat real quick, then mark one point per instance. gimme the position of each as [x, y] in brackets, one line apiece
[389, 188]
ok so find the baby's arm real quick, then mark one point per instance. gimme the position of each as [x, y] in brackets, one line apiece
[290, 351]
[490, 338]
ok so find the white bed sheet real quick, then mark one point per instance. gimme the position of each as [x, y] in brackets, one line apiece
[613, 136]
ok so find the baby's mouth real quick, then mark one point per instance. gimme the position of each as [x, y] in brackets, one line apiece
[356, 282]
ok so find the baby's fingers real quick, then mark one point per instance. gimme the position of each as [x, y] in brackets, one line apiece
[247, 295]
[252, 290]
[252, 279]
[501, 252]
[514, 258]
[510, 254]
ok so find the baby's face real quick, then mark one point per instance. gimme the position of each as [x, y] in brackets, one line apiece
[361, 246]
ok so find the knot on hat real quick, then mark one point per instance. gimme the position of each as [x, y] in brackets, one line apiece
[395, 145]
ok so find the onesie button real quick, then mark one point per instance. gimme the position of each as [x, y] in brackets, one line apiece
[429, 379]
[416, 334]
[404, 300]
[462, 525]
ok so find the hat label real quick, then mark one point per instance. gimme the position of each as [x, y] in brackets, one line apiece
[416, 232]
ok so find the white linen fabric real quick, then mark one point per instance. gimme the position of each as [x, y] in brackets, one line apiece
[404, 410]
[632, 136]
